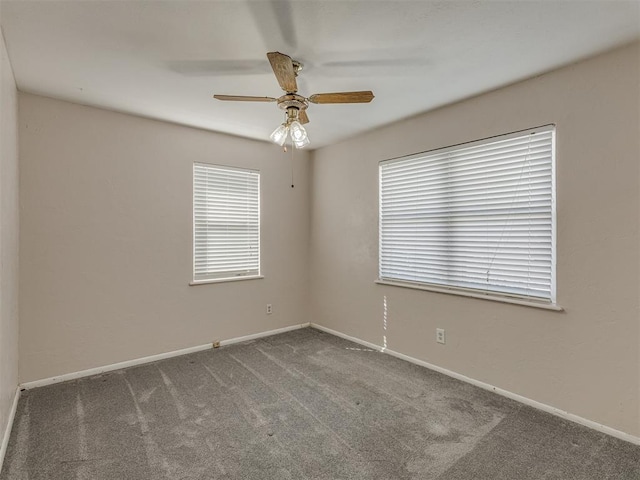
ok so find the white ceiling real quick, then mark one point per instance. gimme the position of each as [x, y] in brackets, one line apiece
[165, 59]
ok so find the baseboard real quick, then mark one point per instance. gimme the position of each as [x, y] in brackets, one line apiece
[7, 430]
[505, 393]
[152, 358]
[253, 336]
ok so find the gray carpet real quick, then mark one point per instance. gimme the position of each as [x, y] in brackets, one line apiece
[301, 405]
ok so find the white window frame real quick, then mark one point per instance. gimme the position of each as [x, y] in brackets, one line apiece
[550, 303]
[232, 275]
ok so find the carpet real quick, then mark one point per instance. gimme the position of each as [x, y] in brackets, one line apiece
[299, 405]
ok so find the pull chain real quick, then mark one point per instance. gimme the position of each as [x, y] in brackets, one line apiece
[292, 149]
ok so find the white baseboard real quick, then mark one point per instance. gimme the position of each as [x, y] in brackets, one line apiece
[7, 430]
[505, 393]
[253, 336]
[152, 358]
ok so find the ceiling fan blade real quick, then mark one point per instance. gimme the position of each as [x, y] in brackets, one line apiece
[242, 98]
[284, 71]
[216, 68]
[342, 97]
[302, 116]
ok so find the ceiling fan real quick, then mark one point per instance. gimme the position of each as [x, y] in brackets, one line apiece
[286, 70]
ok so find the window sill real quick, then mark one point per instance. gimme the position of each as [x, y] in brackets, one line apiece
[224, 280]
[463, 293]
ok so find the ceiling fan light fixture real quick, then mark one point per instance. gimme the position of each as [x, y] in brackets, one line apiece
[298, 133]
[279, 135]
[301, 143]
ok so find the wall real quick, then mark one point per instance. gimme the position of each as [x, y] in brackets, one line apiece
[8, 238]
[585, 360]
[106, 239]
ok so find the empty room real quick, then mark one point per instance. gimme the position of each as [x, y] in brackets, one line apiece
[320, 239]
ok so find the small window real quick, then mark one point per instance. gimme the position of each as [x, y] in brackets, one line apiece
[477, 217]
[226, 223]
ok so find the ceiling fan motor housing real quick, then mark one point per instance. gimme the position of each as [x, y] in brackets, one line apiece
[292, 100]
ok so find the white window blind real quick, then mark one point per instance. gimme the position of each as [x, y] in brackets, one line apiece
[476, 217]
[226, 222]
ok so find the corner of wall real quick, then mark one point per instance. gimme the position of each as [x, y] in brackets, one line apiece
[8, 246]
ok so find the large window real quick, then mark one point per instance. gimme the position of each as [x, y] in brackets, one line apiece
[477, 217]
[226, 223]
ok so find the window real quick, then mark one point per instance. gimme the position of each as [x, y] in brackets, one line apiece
[226, 223]
[478, 217]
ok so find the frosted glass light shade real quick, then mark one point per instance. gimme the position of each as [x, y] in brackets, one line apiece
[301, 143]
[298, 133]
[279, 135]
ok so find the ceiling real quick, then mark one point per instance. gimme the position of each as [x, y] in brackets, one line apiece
[165, 59]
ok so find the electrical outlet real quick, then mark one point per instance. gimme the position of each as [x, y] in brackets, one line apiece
[440, 338]
[269, 309]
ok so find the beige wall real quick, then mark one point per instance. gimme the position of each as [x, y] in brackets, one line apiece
[8, 238]
[585, 360]
[106, 232]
